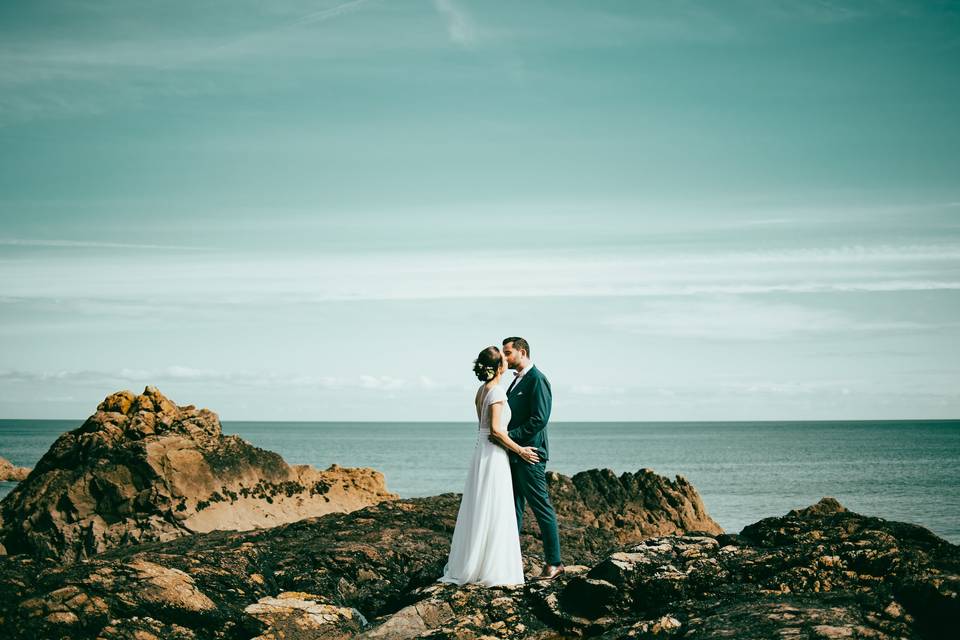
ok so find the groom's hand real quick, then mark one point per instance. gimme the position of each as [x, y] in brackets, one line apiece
[529, 455]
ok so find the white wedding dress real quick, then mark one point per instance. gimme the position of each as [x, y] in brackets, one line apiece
[485, 548]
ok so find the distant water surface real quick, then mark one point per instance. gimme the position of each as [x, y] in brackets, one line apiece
[745, 471]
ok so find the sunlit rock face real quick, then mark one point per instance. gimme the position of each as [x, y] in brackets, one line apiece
[143, 469]
[12, 473]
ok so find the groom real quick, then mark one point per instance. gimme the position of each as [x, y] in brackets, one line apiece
[529, 397]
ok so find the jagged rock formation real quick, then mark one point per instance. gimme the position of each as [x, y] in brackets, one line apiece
[144, 469]
[603, 511]
[326, 575]
[11, 473]
[633, 505]
[820, 572]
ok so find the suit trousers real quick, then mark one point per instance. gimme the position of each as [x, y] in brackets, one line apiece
[530, 486]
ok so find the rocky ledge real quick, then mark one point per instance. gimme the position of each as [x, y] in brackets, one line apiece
[11, 473]
[333, 576]
[820, 572]
[144, 469]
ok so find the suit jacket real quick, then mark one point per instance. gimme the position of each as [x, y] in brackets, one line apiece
[530, 401]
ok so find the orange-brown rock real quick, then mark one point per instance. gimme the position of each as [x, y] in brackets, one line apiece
[11, 473]
[144, 469]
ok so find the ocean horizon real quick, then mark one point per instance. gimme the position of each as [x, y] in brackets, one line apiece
[895, 469]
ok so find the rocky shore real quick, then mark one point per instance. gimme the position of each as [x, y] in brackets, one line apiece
[644, 559]
[821, 572]
[359, 569]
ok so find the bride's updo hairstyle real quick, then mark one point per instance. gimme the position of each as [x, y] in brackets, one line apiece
[487, 364]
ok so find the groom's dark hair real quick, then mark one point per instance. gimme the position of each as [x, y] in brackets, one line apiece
[518, 343]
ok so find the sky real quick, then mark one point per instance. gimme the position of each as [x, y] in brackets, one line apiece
[714, 210]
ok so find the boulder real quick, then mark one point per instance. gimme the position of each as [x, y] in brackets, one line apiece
[143, 469]
[11, 473]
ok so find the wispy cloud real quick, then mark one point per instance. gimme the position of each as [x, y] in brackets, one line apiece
[841, 387]
[817, 11]
[211, 377]
[43, 77]
[745, 319]
[258, 39]
[69, 244]
[595, 390]
[40, 58]
[460, 27]
[331, 12]
[233, 279]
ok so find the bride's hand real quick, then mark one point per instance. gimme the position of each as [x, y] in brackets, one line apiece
[529, 454]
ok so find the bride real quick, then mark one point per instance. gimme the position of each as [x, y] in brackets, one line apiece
[485, 547]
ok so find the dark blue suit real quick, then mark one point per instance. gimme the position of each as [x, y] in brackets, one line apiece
[530, 400]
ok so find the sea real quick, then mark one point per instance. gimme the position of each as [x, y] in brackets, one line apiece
[906, 470]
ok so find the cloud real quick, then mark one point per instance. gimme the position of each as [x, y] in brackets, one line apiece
[111, 282]
[817, 11]
[37, 59]
[593, 390]
[382, 383]
[212, 377]
[45, 77]
[69, 244]
[789, 388]
[331, 12]
[460, 28]
[270, 35]
[740, 319]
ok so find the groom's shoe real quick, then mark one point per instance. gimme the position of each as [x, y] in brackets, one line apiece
[550, 572]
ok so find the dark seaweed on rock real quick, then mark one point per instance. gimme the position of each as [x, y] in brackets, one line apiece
[367, 565]
[822, 572]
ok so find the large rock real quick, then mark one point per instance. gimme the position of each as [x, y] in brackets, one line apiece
[632, 505]
[11, 473]
[144, 469]
[820, 572]
[600, 510]
[321, 577]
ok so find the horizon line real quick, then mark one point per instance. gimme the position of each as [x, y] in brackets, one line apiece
[766, 420]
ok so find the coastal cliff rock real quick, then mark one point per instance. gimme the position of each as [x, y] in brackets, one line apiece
[11, 473]
[600, 511]
[325, 577]
[144, 469]
[631, 506]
